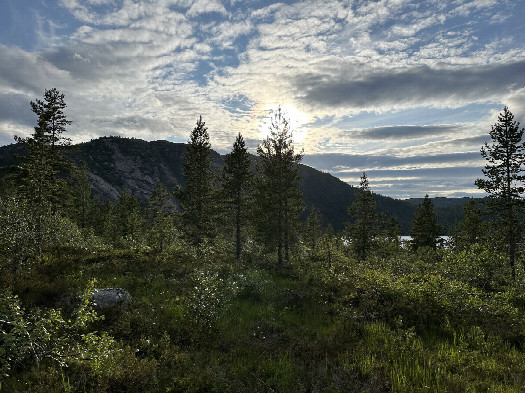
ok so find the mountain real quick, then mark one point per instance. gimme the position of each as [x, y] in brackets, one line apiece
[117, 163]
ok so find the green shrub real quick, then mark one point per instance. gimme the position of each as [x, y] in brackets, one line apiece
[36, 335]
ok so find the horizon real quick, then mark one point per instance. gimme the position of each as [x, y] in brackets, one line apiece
[406, 92]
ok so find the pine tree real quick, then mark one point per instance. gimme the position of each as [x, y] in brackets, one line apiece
[425, 229]
[197, 199]
[505, 179]
[43, 182]
[237, 181]
[365, 229]
[278, 200]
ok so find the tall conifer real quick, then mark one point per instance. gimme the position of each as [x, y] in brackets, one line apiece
[278, 200]
[197, 199]
[42, 182]
[363, 232]
[505, 179]
[237, 183]
[425, 229]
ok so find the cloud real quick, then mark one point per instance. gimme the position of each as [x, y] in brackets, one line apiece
[26, 72]
[406, 132]
[404, 177]
[15, 108]
[205, 7]
[415, 86]
[386, 78]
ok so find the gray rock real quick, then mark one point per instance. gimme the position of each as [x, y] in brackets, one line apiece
[110, 297]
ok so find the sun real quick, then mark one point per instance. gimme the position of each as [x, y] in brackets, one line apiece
[297, 121]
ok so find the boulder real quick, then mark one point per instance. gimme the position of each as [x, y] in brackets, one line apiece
[110, 297]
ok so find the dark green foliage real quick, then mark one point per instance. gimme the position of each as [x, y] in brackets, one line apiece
[83, 206]
[198, 198]
[124, 222]
[160, 218]
[332, 196]
[363, 232]
[504, 179]
[41, 173]
[425, 229]
[278, 201]
[393, 229]
[18, 236]
[470, 230]
[237, 182]
[116, 163]
[312, 229]
[329, 250]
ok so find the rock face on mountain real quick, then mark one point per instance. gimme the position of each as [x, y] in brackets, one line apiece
[118, 164]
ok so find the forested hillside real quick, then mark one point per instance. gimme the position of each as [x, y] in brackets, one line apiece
[217, 285]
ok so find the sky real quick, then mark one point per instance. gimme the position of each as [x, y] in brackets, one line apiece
[403, 90]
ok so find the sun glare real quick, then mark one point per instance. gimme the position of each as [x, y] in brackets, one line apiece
[297, 120]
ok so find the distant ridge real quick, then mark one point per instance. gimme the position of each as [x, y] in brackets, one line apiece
[117, 163]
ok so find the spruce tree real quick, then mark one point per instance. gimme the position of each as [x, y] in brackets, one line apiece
[425, 229]
[505, 180]
[278, 200]
[237, 181]
[365, 229]
[197, 199]
[470, 229]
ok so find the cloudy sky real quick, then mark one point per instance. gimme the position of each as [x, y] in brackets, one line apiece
[404, 90]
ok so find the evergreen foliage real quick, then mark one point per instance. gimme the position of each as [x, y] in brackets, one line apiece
[470, 230]
[18, 236]
[505, 180]
[393, 230]
[312, 229]
[237, 182]
[160, 218]
[278, 201]
[197, 199]
[83, 206]
[425, 229]
[42, 179]
[124, 222]
[364, 231]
